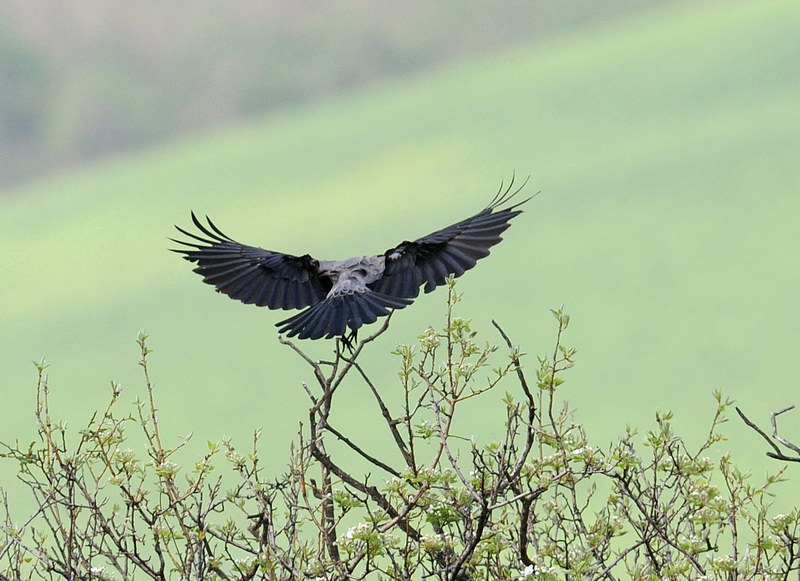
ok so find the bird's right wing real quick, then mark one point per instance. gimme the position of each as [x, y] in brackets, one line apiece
[452, 250]
[253, 275]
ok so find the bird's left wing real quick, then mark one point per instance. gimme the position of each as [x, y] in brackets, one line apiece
[253, 275]
[452, 250]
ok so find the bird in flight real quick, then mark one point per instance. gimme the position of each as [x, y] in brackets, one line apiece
[338, 295]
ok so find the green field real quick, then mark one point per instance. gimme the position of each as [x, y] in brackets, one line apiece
[666, 147]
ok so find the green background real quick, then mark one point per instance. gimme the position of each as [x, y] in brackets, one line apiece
[666, 148]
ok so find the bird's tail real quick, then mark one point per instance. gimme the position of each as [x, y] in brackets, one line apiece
[332, 316]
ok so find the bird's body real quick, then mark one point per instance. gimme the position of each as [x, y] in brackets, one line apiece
[352, 274]
[344, 294]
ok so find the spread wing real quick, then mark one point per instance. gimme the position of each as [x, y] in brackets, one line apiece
[253, 275]
[453, 250]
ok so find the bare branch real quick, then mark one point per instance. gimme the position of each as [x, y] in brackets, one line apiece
[777, 454]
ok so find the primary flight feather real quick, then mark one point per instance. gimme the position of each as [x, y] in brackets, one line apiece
[344, 294]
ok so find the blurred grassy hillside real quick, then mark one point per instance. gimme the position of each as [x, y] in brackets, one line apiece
[81, 79]
[666, 148]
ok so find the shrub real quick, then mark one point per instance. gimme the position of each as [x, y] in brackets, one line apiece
[541, 502]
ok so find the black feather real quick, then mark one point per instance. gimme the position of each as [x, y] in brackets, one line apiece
[258, 276]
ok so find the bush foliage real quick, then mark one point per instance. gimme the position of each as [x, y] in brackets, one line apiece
[540, 502]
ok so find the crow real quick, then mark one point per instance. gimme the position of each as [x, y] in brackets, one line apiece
[344, 294]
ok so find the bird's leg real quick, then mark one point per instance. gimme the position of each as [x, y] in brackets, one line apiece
[349, 341]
